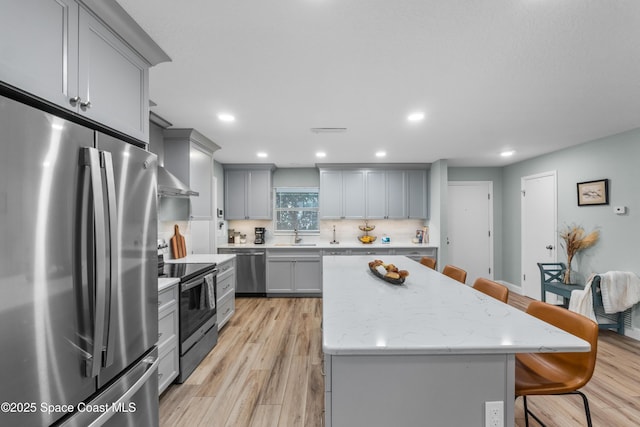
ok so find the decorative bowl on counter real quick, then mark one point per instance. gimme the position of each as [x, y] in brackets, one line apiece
[366, 228]
[367, 239]
[388, 272]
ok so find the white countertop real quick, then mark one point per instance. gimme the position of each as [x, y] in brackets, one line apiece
[165, 282]
[202, 259]
[326, 245]
[429, 314]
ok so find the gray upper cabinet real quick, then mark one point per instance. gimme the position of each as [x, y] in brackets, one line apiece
[39, 48]
[247, 192]
[113, 82]
[386, 194]
[60, 52]
[374, 193]
[189, 156]
[342, 194]
[417, 199]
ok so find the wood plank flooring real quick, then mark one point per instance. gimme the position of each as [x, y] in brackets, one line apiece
[266, 372]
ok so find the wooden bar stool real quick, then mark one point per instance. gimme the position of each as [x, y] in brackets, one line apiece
[455, 273]
[491, 288]
[429, 262]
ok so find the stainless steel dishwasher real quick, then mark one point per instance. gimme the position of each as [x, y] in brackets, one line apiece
[250, 271]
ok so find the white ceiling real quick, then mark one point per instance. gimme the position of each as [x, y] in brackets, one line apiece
[533, 76]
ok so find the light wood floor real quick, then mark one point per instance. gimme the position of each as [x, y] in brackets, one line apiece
[266, 371]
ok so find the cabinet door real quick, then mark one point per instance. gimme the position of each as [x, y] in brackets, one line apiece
[259, 194]
[39, 49]
[353, 195]
[235, 194]
[308, 275]
[112, 79]
[330, 194]
[279, 275]
[417, 194]
[201, 180]
[376, 195]
[396, 194]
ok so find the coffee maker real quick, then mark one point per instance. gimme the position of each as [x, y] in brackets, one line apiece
[260, 234]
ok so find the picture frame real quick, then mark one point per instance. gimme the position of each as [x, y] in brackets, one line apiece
[593, 193]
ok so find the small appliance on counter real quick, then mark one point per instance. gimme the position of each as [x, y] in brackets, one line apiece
[231, 236]
[260, 236]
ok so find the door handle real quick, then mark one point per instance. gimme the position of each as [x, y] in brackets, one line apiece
[91, 158]
[549, 247]
[114, 251]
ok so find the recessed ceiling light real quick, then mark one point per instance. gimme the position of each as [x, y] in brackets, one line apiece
[261, 154]
[321, 154]
[507, 153]
[415, 117]
[224, 117]
[381, 153]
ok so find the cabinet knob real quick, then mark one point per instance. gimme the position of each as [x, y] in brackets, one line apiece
[73, 101]
[85, 105]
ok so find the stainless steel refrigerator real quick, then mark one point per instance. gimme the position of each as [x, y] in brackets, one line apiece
[78, 268]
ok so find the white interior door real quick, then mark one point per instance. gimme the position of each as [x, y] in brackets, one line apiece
[539, 225]
[470, 235]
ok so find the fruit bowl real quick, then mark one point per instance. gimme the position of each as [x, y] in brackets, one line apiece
[366, 239]
[367, 228]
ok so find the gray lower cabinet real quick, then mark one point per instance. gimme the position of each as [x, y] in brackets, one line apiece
[417, 253]
[59, 51]
[168, 367]
[371, 251]
[226, 291]
[294, 273]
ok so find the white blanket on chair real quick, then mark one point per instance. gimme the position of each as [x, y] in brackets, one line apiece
[581, 301]
[620, 290]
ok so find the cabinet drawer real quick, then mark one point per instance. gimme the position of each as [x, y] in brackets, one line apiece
[168, 296]
[225, 268]
[225, 285]
[167, 325]
[167, 368]
[226, 308]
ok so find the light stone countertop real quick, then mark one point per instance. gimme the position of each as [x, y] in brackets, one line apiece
[202, 259]
[166, 282]
[429, 314]
[314, 244]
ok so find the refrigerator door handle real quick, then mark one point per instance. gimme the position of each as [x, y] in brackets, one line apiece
[114, 246]
[91, 158]
[153, 363]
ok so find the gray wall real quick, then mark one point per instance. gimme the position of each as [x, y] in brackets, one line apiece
[614, 157]
[296, 177]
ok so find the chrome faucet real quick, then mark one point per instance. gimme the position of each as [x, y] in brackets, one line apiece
[296, 238]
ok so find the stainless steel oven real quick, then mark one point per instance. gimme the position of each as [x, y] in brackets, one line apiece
[197, 313]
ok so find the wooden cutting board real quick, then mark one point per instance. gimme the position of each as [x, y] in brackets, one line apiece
[178, 247]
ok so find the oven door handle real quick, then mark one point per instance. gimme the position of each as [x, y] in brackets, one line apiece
[197, 282]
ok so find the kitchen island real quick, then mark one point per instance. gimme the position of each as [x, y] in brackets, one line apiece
[429, 352]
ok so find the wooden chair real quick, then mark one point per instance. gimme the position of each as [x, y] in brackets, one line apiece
[491, 288]
[551, 275]
[455, 273]
[429, 262]
[557, 373]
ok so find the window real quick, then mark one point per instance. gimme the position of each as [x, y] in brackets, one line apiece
[296, 208]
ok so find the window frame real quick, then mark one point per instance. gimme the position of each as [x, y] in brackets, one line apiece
[276, 209]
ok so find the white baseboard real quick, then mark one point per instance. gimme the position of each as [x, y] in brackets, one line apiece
[512, 288]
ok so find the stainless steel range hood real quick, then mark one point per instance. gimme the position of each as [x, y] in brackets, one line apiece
[170, 186]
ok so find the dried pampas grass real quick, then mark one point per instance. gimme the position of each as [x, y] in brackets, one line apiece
[575, 241]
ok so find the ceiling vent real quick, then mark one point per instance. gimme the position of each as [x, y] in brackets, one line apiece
[328, 130]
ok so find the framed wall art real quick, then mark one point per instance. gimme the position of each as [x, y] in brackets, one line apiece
[593, 193]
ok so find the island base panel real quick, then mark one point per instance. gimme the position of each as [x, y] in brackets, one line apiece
[438, 390]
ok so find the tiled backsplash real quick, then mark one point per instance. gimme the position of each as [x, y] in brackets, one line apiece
[400, 231]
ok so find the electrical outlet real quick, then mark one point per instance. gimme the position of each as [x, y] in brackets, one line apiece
[494, 414]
